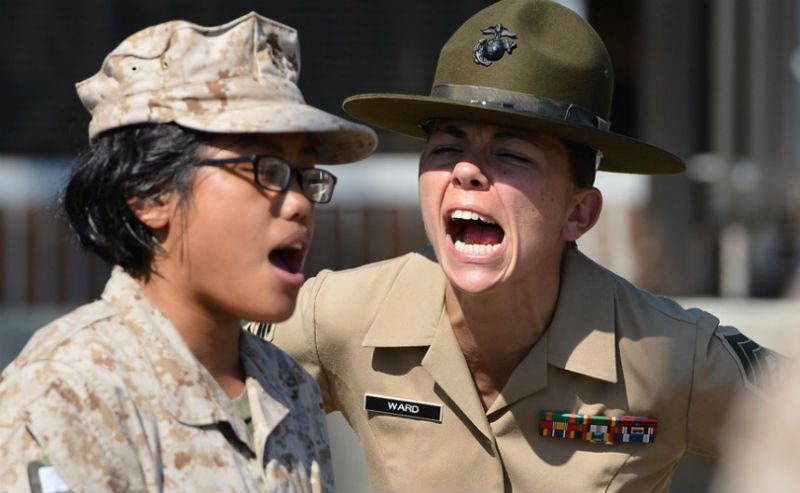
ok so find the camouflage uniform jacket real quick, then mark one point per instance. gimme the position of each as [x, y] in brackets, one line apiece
[112, 397]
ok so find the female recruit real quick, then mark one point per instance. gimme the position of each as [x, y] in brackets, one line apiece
[199, 186]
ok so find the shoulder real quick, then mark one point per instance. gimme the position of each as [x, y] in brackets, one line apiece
[351, 298]
[662, 306]
[70, 337]
[721, 352]
[68, 364]
[371, 280]
[634, 304]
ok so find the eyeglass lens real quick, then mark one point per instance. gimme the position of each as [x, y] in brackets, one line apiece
[276, 174]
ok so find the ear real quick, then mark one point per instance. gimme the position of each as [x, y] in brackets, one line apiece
[155, 213]
[588, 202]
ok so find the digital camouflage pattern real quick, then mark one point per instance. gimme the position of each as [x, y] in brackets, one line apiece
[112, 396]
[239, 77]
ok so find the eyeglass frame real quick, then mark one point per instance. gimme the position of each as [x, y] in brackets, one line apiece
[293, 171]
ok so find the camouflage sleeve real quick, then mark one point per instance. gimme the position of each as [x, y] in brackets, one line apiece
[726, 364]
[59, 434]
[298, 336]
[24, 465]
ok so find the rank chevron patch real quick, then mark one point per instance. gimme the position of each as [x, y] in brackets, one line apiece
[757, 364]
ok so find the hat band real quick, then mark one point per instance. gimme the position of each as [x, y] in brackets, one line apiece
[519, 101]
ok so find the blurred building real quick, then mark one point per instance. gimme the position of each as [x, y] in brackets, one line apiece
[715, 82]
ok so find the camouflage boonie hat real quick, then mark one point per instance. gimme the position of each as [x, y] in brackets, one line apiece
[240, 77]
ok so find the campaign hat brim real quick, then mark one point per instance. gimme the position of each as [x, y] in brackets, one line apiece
[407, 114]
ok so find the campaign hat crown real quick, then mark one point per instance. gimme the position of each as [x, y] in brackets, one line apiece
[239, 77]
[531, 64]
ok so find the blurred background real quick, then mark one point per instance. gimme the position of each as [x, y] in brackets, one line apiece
[716, 82]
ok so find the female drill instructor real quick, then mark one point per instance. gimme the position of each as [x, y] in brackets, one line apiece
[199, 186]
[507, 361]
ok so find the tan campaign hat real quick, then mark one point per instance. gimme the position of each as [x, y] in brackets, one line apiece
[530, 64]
[240, 77]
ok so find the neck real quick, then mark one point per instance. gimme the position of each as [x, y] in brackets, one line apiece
[496, 330]
[212, 335]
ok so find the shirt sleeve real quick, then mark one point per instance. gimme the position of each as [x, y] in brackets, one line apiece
[55, 428]
[727, 363]
[20, 460]
[298, 337]
[760, 455]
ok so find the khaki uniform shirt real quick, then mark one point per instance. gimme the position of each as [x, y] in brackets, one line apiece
[112, 397]
[611, 349]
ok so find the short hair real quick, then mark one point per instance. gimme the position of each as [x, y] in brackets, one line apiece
[137, 161]
[582, 161]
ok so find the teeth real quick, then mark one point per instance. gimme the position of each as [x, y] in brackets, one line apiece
[297, 245]
[475, 249]
[470, 216]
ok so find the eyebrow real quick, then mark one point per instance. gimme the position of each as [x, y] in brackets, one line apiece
[509, 134]
[459, 133]
[451, 130]
[532, 139]
[504, 134]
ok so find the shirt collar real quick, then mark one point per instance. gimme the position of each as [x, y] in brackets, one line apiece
[411, 310]
[269, 385]
[581, 337]
[188, 391]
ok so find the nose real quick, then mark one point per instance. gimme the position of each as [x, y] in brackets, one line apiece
[469, 176]
[296, 206]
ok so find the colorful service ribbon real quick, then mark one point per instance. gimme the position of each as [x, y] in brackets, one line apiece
[598, 428]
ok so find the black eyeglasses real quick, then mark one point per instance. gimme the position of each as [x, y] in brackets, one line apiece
[274, 173]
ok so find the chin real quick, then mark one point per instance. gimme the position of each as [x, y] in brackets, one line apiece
[283, 315]
[472, 282]
[277, 311]
[472, 288]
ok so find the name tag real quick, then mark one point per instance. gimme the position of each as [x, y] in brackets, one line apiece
[43, 478]
[402, 407]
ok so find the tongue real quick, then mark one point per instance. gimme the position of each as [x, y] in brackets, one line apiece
[280, 260]
[476, 233]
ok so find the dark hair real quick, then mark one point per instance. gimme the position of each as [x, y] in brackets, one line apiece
[582, 163]
[139, 161]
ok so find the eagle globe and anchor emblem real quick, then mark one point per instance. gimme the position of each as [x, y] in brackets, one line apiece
[487, 51]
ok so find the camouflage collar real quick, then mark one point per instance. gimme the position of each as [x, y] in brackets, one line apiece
[189, 392]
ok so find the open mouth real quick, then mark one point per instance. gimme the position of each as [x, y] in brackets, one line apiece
[474, 233]
[289, 258]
